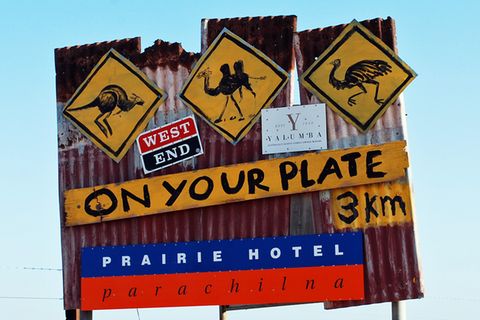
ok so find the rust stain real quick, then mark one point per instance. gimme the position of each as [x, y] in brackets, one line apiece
[82, 165]
[73, 64]
[394, 244]
[165, 54]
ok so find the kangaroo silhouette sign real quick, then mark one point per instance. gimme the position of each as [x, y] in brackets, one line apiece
[231, 83]
[114, 104]
[358, 76]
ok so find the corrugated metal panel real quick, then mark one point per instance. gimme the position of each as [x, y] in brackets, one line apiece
[81, 164]
[392, 271]
[266, 217]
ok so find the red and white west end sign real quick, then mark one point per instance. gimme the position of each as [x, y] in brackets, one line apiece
[170, 144]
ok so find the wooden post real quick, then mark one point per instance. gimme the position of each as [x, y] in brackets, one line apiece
[222, 313]
[399, 310]
[78, 315]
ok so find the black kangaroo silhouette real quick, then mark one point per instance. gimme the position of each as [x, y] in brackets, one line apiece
[108, 99]
[228, 85]
[364, 71]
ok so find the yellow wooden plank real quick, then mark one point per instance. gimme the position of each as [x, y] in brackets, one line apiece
[372, 205]
[247, 181]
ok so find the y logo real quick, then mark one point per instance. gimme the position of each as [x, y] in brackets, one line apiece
[293, 122]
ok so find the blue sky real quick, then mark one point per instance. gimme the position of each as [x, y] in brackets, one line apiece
[439, 40]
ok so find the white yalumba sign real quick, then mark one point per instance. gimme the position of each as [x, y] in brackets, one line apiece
[292, 129]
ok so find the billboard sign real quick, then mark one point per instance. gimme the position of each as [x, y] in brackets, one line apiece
[293, 129]
[307, 268]
[169, 144]
[360, 183]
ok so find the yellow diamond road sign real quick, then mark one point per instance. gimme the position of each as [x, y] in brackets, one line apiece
[230, 85]
[114, 104]
[358, 76]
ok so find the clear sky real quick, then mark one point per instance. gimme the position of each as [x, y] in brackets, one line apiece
[438, 39]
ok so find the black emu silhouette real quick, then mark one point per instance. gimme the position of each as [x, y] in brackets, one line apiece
[364, 71]
[228, 85]
[108, 99]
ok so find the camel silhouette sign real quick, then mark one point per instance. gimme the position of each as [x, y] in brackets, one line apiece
[230, 85]
[358, 76]
[114, 104]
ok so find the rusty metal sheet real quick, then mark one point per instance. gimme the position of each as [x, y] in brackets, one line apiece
[81, 164]
[266, 217]
[392, 270]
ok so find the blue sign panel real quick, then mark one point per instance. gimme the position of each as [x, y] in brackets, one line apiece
[224, 255]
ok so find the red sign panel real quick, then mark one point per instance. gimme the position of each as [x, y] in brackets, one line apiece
[169, 144]
[168, 134]
[311, 268]
[224, 288]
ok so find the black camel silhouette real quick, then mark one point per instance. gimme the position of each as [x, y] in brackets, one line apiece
[228, 85]
[107, 100]
[364, 71]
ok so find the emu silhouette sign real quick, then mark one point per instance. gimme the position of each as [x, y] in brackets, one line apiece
[114, 104]
[358, 76]
[231, 83]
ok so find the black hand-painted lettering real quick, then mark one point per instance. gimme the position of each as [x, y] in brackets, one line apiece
[371, 165]
[331, 166]
[201, 196]
[352, 163]
[306, 182]
[98, 209]
[174, 192]
[351, 207]
[255, 177]
[369, 208]
[393, 201]
[127, 194]
[226, 186]
[287, 175]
